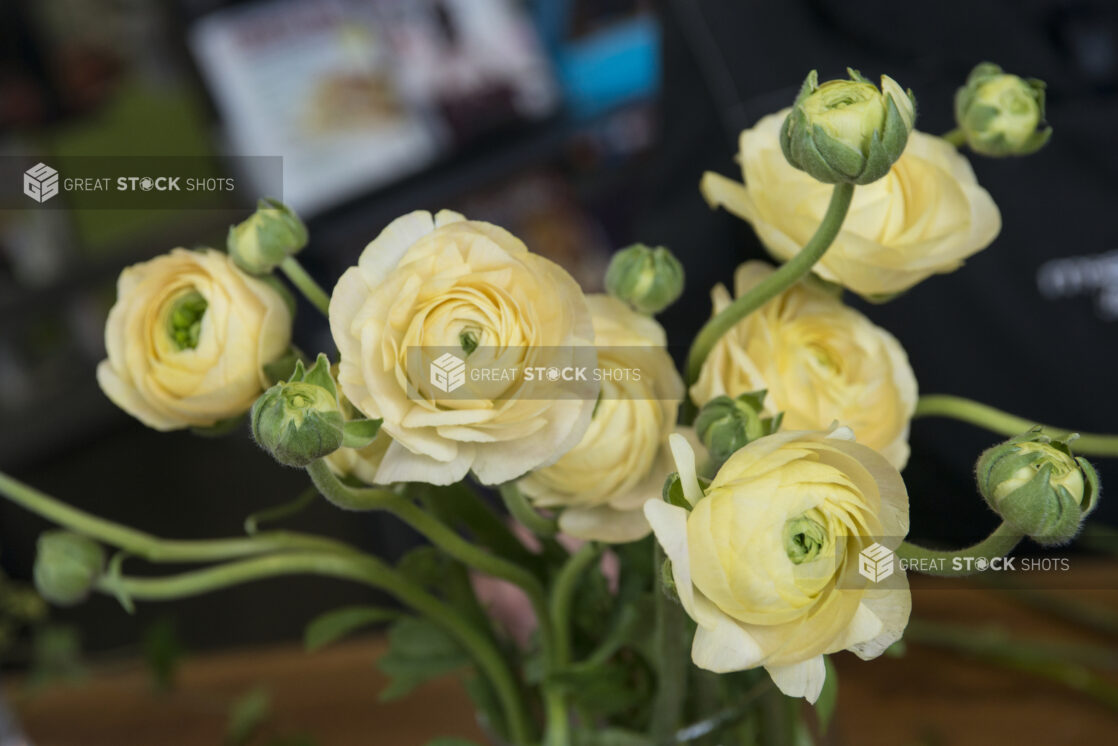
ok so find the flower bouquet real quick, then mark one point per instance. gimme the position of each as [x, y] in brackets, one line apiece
[688, 549]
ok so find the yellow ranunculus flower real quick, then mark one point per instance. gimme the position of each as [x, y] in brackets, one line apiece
[766, 561]
[924, 217]
[820, 361]
[445, 282]
[622, 460]
[360, 463]
[187, 339]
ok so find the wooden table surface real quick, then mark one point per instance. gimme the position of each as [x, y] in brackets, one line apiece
[927, 698]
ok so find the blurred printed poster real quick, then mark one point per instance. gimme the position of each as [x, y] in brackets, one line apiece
[355, 94]
[478, 63]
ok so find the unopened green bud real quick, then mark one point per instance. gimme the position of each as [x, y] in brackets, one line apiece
[848, 130]
[1001, 114]
[1038, 486]
[67, 567]
[270, 235]
[648, 279]
[300, 420]
[725, 425]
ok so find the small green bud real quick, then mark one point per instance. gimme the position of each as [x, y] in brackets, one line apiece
[67, 567]
[1038, 486]
[848, 130]
[725, 425]
[300, 420]
[648, 279]
[270, 235]
[1001, 114]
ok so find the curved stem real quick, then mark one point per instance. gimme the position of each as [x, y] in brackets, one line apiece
[153, 548]
[956, 137]
[361, 568]
[562, 594]
[784, 277]
[279, 512]
[955, 563]
[1003, 423]
[523, 512]
[310, 289]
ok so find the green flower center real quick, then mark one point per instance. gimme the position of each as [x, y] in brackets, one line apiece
[184, 321]
[804, 538]
[469, 339]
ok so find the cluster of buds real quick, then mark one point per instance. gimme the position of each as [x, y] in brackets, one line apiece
[725, 425]
[647, 279]
[1038, 486]
[848, 130]
[1001, 114]
[271, 234]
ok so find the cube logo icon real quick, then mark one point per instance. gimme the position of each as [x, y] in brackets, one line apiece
[448, 372]
[875, 563]
[40, 182]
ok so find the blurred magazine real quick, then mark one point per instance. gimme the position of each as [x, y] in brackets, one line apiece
[355, 95]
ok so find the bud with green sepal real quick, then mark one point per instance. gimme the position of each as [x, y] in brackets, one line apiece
[67, 567]
[648, 279]
[1038, 486]
[725, 425]
[270, 235]
[1001, 114]
[300, 420]
[848, 131]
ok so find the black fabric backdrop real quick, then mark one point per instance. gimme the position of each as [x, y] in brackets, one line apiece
[985, 331]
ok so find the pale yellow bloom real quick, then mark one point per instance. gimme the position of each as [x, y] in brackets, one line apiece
[360, 463]
[445, 282]
[622, 460]
[187, 339]
[766, 561]
[820, 361]
[926, 216]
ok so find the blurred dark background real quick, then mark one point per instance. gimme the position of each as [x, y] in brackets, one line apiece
[582, 127]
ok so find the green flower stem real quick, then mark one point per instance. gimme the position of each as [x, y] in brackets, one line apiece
[310, 289]
[956, 137]
[1063, 664]
[671, 679]
[562, 595]
[153, 548]
[357, 567]
[787, 275]
[459, 504]
[369, 498]
[279, 512]
[997, 421]
[998, 544]
[522, 511]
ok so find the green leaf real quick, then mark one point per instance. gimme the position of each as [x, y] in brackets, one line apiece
[246, 716]
[359, 433]
[417, 652]
[334, 625]
[605, 690]
[825, 705]
[163, 651]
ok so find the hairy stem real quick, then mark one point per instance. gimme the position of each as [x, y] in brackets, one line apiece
[1003, 423]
